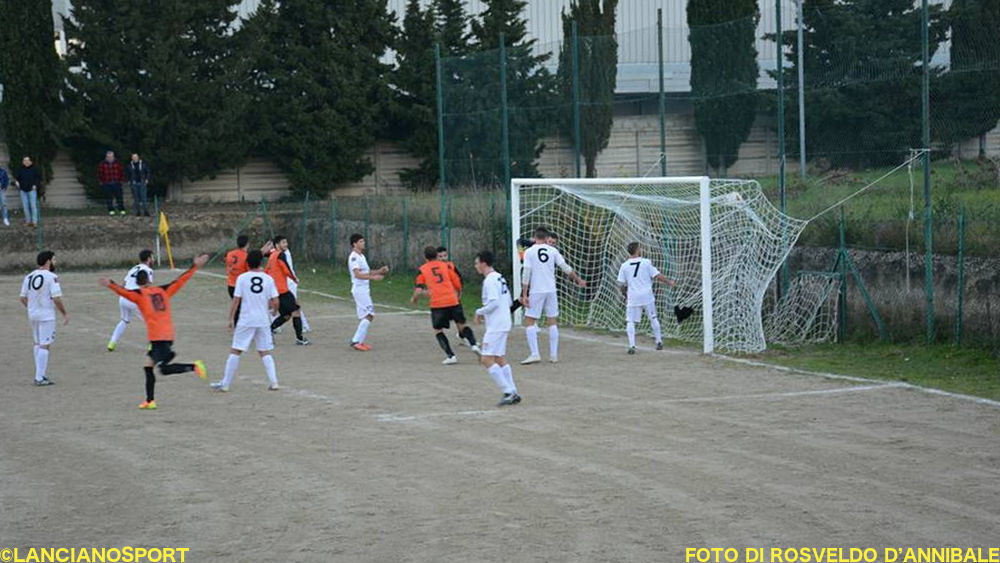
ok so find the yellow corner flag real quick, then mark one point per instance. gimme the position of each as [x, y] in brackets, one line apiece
[164, 229]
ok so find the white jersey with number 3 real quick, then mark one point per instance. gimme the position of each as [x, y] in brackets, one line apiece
[542, 260]
[255, 290]
[638, 274]
[40, 287]
[357, 261]
[495, 289]
[130, 277]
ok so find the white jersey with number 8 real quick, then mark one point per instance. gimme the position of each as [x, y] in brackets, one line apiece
[255, 290]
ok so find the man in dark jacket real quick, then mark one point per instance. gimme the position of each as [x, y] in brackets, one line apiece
[137, 173]
[111, 176]
[29, 181]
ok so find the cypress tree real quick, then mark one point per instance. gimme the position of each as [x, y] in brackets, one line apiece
[598, 70]
[724, 74]
[159, 79]
[321, 86]
[29, 73]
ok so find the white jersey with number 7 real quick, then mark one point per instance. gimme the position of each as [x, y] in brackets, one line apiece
[637, 274]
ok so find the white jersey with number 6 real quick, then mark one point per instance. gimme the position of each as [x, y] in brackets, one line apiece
[638, 274]
[40, 287]
[542, 260]
[255, 290]
[496, 303]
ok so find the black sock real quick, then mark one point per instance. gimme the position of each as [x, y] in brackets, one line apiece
[150, 383]
[297, 324]
[469, 336]
[443, 342]
[171, 369]
[278, 322]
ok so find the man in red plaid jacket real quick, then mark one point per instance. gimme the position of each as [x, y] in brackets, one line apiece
[110, 175]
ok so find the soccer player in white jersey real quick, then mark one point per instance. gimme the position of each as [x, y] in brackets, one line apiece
[496, 312]
[635, 277]
[293, 286]
[41, 294]
[361, 278]
[255, 296]
[538, 292]
[127, 308]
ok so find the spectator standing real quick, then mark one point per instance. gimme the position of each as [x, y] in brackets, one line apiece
[111, 177]
[29, 181]
[137, 173]
[4, 182]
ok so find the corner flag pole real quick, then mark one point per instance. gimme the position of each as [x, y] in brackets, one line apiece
[164, 230]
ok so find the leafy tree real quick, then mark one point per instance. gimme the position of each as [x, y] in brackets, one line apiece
[598, 70]
[966, 99]
[321, 86]
[863, 77]
[415, 101]
[452, 27]
[724, 74]
[29, 73]
[156, 78]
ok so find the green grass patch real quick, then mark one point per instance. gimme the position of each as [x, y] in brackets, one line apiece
[968, 371]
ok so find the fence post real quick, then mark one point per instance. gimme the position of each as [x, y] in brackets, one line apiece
[440, 126]
[493, 227]
[156, 230]
[406, 237]
[842, 301]
[39, 227]
[925, 96]
[574, 37]
[780, 67]
[961, 275]
[267, 219]
[367, 217]
[304, 228]
[662, 98]
[504, 132]
[333, 229]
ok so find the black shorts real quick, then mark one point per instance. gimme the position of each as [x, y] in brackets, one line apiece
[231, 290]
[287, 304]
[441, 317]
[161, 351]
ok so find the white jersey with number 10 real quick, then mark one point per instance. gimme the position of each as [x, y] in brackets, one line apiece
[40, 287]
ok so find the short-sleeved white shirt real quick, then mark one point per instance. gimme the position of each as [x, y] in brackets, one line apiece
[638, 274]
[40, 287]
[357, 261]
[543, 260]
[130, 282]
[255, 290]
[495, 288]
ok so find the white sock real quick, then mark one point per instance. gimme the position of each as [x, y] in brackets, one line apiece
[305, 323]
[657, 334]
[41, 363]
[553, 341]
[362, 332]
[119, 331]
[630, 331]
[532, 333]
[496, 372]
[272, 371]
[232, 364]
[508, 375]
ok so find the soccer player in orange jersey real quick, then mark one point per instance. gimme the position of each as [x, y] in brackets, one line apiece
[443, 285]
[154, 304]
[288, 307]
[236, 264]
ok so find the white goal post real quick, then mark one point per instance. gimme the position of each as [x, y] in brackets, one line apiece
[720, 240]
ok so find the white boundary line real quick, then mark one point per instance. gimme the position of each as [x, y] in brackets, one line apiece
[744, 361]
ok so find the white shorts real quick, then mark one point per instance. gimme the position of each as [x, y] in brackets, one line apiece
[540, 303]
[634, 314]
[261, 335]
[495, 343]
[44, 332]
[363, 303]
[128, 310]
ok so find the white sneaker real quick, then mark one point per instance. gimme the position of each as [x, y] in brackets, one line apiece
[273, 387]
[219, 387]
[554, 360]
[531, 360]
[450, 360]
[477, 350]
[6, 222]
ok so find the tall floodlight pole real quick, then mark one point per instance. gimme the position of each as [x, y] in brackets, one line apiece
[802, 95]
[928, 213]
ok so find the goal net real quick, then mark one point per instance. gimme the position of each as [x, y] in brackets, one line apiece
[721, 241]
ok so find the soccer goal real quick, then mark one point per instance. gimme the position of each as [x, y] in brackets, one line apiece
[721, 241]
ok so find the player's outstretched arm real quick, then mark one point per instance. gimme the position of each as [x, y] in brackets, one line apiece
[664, 279]
[173, 287]
[417, 292]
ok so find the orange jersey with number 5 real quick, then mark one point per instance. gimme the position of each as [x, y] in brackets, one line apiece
[441, 281]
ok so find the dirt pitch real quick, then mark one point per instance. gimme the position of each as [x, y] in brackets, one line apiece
[389, 456]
